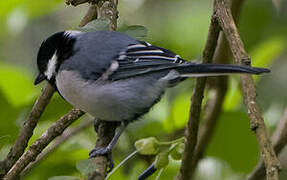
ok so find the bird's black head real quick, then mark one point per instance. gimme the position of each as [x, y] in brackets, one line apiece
[52, 52]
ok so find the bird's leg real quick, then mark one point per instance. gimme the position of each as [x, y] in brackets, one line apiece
[106, 150]
[96, 125]
[99, 151]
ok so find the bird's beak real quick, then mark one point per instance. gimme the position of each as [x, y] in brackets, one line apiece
[39, 79]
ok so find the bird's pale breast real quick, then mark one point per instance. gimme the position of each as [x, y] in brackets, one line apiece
[110, 100]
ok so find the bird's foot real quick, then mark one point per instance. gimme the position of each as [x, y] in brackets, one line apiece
[99, 151]
[103, 151]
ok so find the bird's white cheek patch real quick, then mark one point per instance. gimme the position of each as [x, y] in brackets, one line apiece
[51, 67]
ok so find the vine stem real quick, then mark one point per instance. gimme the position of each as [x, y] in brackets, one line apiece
[121, 163]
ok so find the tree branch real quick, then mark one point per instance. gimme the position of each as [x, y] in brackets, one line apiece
[36, 148]
[191, 130]
[279, 137]
[279, 140]
[67, 134]
[30, 124]
[90, 15]
[218, 85]
[106, 132]
[27, 130]
[105, 9]
[222, 15]
[228, 26]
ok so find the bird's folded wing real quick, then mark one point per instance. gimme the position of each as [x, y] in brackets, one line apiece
[143, 58]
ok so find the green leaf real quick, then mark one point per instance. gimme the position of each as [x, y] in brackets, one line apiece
[96, 25]
[8, 115]
[16, 85]
[233, 98]
[177, 151]
[86, 166]
[38, 8]
[179, 112]
[161, 160]
[30, 7]
[262, 56]
[147, 146]
[136, 31]
[57, 107]
[64, 178]
[267, 51]
[234, 142]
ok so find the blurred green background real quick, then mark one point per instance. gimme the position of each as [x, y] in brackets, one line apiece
[179, 25]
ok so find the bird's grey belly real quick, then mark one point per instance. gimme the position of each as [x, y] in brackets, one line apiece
[111, 101]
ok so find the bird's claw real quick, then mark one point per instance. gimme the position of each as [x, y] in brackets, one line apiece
[103, 152]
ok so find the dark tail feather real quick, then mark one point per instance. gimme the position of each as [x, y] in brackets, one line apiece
[199, 70]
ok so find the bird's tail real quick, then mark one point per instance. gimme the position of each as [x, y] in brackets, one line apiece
[201, 70]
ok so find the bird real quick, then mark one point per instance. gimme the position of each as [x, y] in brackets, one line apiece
[114, 77]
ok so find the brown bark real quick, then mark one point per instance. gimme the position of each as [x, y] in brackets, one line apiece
[191, 131]
[223, 16]
[36, 148]
[27, 130]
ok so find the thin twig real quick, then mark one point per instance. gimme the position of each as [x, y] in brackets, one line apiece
[195, 107]
[228, 26]
[106, 131]
[107, 9]
[211, 115]
[27, 130]
[90, 15]
[36, 148]
[279, 137]
[67, 134]
[159, 174]
[279, 141]
[121, 163]
[218, 90]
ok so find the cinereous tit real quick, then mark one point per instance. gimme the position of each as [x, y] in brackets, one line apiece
[114, 77]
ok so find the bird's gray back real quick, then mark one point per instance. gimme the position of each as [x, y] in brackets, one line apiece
[98, 50]
[80, 79]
